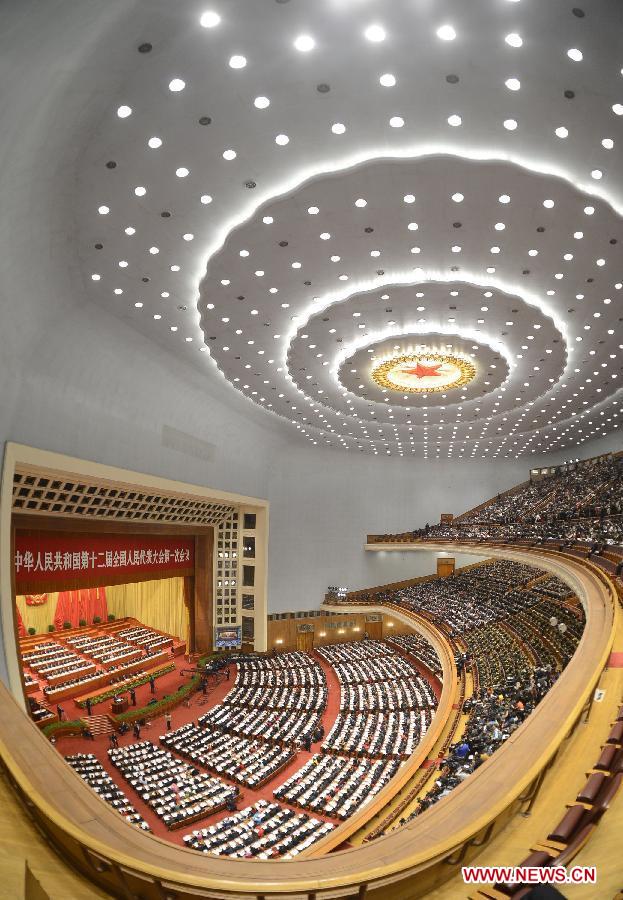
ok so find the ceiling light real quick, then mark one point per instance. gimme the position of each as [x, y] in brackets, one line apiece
[458, 198]
[182, 172]
[206, 198]
[562, 132]
[575, 55]
[124, 111]
[237, 62]
[409, 198]
[617, 109]
[510, 124]
[95, 276]
[325, 236]
[454, 120]
[513, 84]
[607, 143]
[268, 220]
[396, 122]
[504, 198]
[313, 210]
[138, 304]
[229, 154]
[548, 204]
[387, 80]
[282, 140]
[154, 143]
[360, 203]
[375, 33]
[209, 19]
[589, 210]
[130, 230]
[338, 128]
[176, 85]
[597, 174]
[513, 40]
[140, 191]
[304, 43]
[188, 236]
[261, 102]
[499, 226]
[446, 33]
[103, 210]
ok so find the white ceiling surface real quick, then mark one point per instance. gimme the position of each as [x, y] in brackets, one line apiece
[559, 363]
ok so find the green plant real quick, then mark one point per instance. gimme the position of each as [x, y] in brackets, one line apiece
[111, 617]
[153, 710]
[32, 631]
[56, 729]
[96, 620]
[120, 689]
[82, 623]
[51, 627]
[67, 625]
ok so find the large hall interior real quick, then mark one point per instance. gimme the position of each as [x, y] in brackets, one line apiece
[311, 501]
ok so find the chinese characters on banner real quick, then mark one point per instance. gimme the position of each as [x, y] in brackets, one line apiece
[52, 557]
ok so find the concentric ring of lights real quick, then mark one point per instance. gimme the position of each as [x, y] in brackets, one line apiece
[413, 331]
[382, 374]
[493, 371]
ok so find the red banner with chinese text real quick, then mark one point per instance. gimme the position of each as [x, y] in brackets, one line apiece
[55, 557]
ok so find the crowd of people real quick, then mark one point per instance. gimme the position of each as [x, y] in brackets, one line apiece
[248, 762]
[264, 830]
[419, 647]
[177, 792]
[582, 502]
[337, 785]
[92, 772]
[277, 699]
[471, 598]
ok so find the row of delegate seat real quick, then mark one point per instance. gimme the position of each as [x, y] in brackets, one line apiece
[177, 792]
[93, 773]
[264, 831]
[337, 786]
[250, 763]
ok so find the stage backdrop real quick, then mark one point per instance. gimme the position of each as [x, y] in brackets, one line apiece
[159, 604]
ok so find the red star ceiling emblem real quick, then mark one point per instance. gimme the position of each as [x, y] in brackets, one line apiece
[422, 371]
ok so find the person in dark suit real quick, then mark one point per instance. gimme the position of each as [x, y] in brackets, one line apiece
[152, 684]
[88, 706]
[133, 696]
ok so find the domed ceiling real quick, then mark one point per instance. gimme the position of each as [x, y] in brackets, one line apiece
[395, 225]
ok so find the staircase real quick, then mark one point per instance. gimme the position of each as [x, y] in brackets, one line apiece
[98, 724]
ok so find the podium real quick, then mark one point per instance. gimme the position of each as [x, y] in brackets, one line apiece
[119, 705]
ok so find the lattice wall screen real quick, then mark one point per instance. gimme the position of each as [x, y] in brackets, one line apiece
[44, 493]
[227, 571]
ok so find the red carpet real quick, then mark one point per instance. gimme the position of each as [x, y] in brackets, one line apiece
[180, 716]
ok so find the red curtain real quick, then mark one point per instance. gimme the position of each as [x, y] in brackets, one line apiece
[85, 604]
[21, 629]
